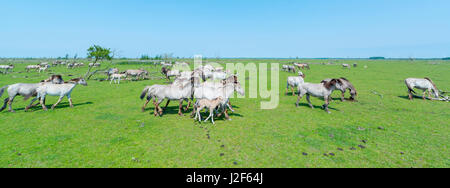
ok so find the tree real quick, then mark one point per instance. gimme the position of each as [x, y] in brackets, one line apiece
[97, 53]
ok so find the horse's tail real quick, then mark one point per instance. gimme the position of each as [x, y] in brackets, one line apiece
[3, 90]
[410, 89]
[287, 85]
[144, 92]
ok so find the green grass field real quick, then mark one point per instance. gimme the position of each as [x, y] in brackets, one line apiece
[107, 128]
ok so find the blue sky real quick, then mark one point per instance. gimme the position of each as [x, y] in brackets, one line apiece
[227, 28]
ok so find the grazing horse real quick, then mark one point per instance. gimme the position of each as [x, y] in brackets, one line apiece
[6, 68]
[136, 73]
[25, 90]
[60, 90]
[180, 90]
[317, 90]
[302, 66]
[346, 66]
[35, 67]
[426, 85]
[294, 82]
[343, 86]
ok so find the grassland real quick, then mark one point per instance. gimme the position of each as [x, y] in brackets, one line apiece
[107, 129]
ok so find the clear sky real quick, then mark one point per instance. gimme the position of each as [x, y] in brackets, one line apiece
[227, 28]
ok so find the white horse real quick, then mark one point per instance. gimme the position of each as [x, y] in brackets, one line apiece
[31, 67]
[294, 82]
[426, 85]
[180, 90]
[317, 90]
[6, 68]
[43, 68]
[25, 90]
[117, 78]
[224, 90]
[136, 73]
[346, 66]
[60, 90]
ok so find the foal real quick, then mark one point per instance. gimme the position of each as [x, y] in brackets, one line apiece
[294, 82]
[206, 103]
[117, 78]
[317, 90]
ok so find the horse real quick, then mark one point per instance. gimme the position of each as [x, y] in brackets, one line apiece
[136, 73]
[343, 86]
[117, 78]
[35, 67]
[426, 85]
[302, 66]
[346, 66]
[43, 68]
[205, 103]
[60, 90]
[224, 90]
[294, 82]
[317, 90]
[6, 68]
[180, 90]
[25, 90]
[111, 71]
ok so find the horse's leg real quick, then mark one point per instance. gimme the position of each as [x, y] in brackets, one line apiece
[188, 106]
[4, 104]
[424, 93]
[145, 105]
[309, 100]
[326, 105]
[10, 101]
[42, 103]
[342, 96]
[293, 92]
[198, 114]
[180, 107]
[161, 111]
[410, 95]
[298, 99]
[56, 104]
[31, 104]
[70, 101]
[167, 104]
[230, 106]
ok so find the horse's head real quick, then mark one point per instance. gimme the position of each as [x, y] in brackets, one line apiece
[332, 84]
[300, 73]
[56, 79]
[238, 88]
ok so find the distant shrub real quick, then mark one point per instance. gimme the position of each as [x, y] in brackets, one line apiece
[446, 58]
[377, 58]
[145, 57]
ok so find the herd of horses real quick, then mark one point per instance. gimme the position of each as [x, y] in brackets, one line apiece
[206, 87]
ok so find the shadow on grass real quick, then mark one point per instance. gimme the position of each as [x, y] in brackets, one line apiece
[173, 110]
[61, 105]
[414, 96]
[316, 107]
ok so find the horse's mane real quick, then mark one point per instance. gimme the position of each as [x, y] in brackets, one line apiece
[73, 80]
[344, 79]
[432, 83]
